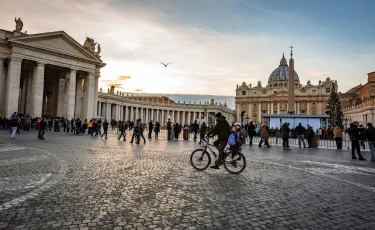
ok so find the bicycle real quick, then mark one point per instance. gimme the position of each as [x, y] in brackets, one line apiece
[234, 161]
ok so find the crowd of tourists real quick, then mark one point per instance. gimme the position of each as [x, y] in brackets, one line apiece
[358, 133]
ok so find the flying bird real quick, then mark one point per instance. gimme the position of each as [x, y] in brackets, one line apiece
[165, 65]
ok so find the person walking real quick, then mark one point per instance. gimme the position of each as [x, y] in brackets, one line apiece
[150, 128]
[43, 127]
[176, 131]
[169, 128]
[105, 128]
[355, 138]
[370, 136]
[251, 132]
[300, 131]
[94, 127]
[285, 130]
[122, 131]
[195, 127]
[142, 129]
[136, 132]
[202, 132]
[14, 125]
[337, 133]
[157, 129]
[264, 135]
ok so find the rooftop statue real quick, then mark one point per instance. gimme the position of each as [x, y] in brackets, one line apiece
[98, 49]
[90, 44]
[19, 25]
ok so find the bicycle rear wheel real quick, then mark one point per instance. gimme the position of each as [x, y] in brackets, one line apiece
[235, 163]
[200, 159]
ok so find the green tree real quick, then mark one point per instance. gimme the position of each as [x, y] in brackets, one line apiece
[334, 110]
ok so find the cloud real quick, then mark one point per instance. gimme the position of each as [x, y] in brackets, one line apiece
[135, 36]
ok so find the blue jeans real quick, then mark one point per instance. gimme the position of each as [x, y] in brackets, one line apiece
[371, 145]
[301, 137]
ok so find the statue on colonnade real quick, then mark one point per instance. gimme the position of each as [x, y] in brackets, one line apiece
[19, 25]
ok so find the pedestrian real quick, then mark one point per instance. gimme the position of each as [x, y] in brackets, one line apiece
[337, 133]
[176, 131]
[285, 130]
[251, 132]
[105, 128]
[202, 132]
[68, 125]
[300, 131]
[93, 127]
[142, 128]
[370, 136]
[150, 128]
[122, 131]
[361, 130]
[264, 135]
[355, 138]
[43, 126]
[169, 128]
[136, 131]
[14, 125]
[157, 129]
[310, 135]
[320, 133]
[195, 127]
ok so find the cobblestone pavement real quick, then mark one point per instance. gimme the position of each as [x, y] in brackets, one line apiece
[78, 182]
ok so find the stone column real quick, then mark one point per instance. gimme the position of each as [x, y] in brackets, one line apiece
[2, 76]
[38, 88]
[260, 112]
[96, 85]
[126, 113]
[136, 114]
[131, 118]
[99, 109]
[71, 94]
[79, 107]
[157, 115]
[152, 115]
[183, 117]
[12, 87]
[89, 96]
[108, 111]
[61, 97]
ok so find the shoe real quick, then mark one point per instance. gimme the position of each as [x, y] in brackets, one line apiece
[362, 159]
[215, 167]
[309, 147]
[144, 142]
[354, 158]
[137, 143]
[131, 142]
[42, 139]
[118, 138]
[284, 148]
[304, 147]
[300, 147]
[101, 136]
[372, 160]
[260, 146]
[269, 146]
[124, 140]
[106, 138]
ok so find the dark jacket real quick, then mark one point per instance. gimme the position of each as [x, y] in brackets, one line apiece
[310, 133]
[195, 127]
[43, 125]
[285, 130]
[105, 125]
[221, 129]
[203, 129]
[354, 133]
[251, 130]
[150, 126]
[300, 130]
[370, 134]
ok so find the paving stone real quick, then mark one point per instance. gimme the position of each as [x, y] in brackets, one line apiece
[79, 182]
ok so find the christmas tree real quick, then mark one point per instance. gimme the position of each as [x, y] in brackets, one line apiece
[333, 109]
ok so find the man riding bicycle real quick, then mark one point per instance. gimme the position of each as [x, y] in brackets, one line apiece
[222, 130]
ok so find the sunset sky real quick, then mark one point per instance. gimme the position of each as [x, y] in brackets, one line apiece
[213, 45]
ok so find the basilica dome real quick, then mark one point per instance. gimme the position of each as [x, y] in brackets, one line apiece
[281, 73]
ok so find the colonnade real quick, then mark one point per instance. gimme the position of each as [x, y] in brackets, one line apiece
[126, 112]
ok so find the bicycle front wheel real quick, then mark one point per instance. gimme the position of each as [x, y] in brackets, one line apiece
[200, 159]
[235, 163]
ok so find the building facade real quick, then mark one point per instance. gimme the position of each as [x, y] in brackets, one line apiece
[253, 101]
[48, 73]
[122, 106]
[52, 74]
[358, 103]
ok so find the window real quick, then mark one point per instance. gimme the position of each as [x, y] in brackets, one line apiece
[255, 92]
[283, 106]
[243, 93]
[274, 92]
[264, 105]
[264, 92]
[328, 90]
[314, 91]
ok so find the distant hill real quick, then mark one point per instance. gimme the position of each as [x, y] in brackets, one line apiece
[199, 98]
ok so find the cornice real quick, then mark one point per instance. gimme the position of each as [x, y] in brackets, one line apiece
[53, 52]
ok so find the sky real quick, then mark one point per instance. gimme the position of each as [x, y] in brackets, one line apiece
[213, 45]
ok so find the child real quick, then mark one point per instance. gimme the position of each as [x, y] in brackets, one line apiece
[236, 139]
